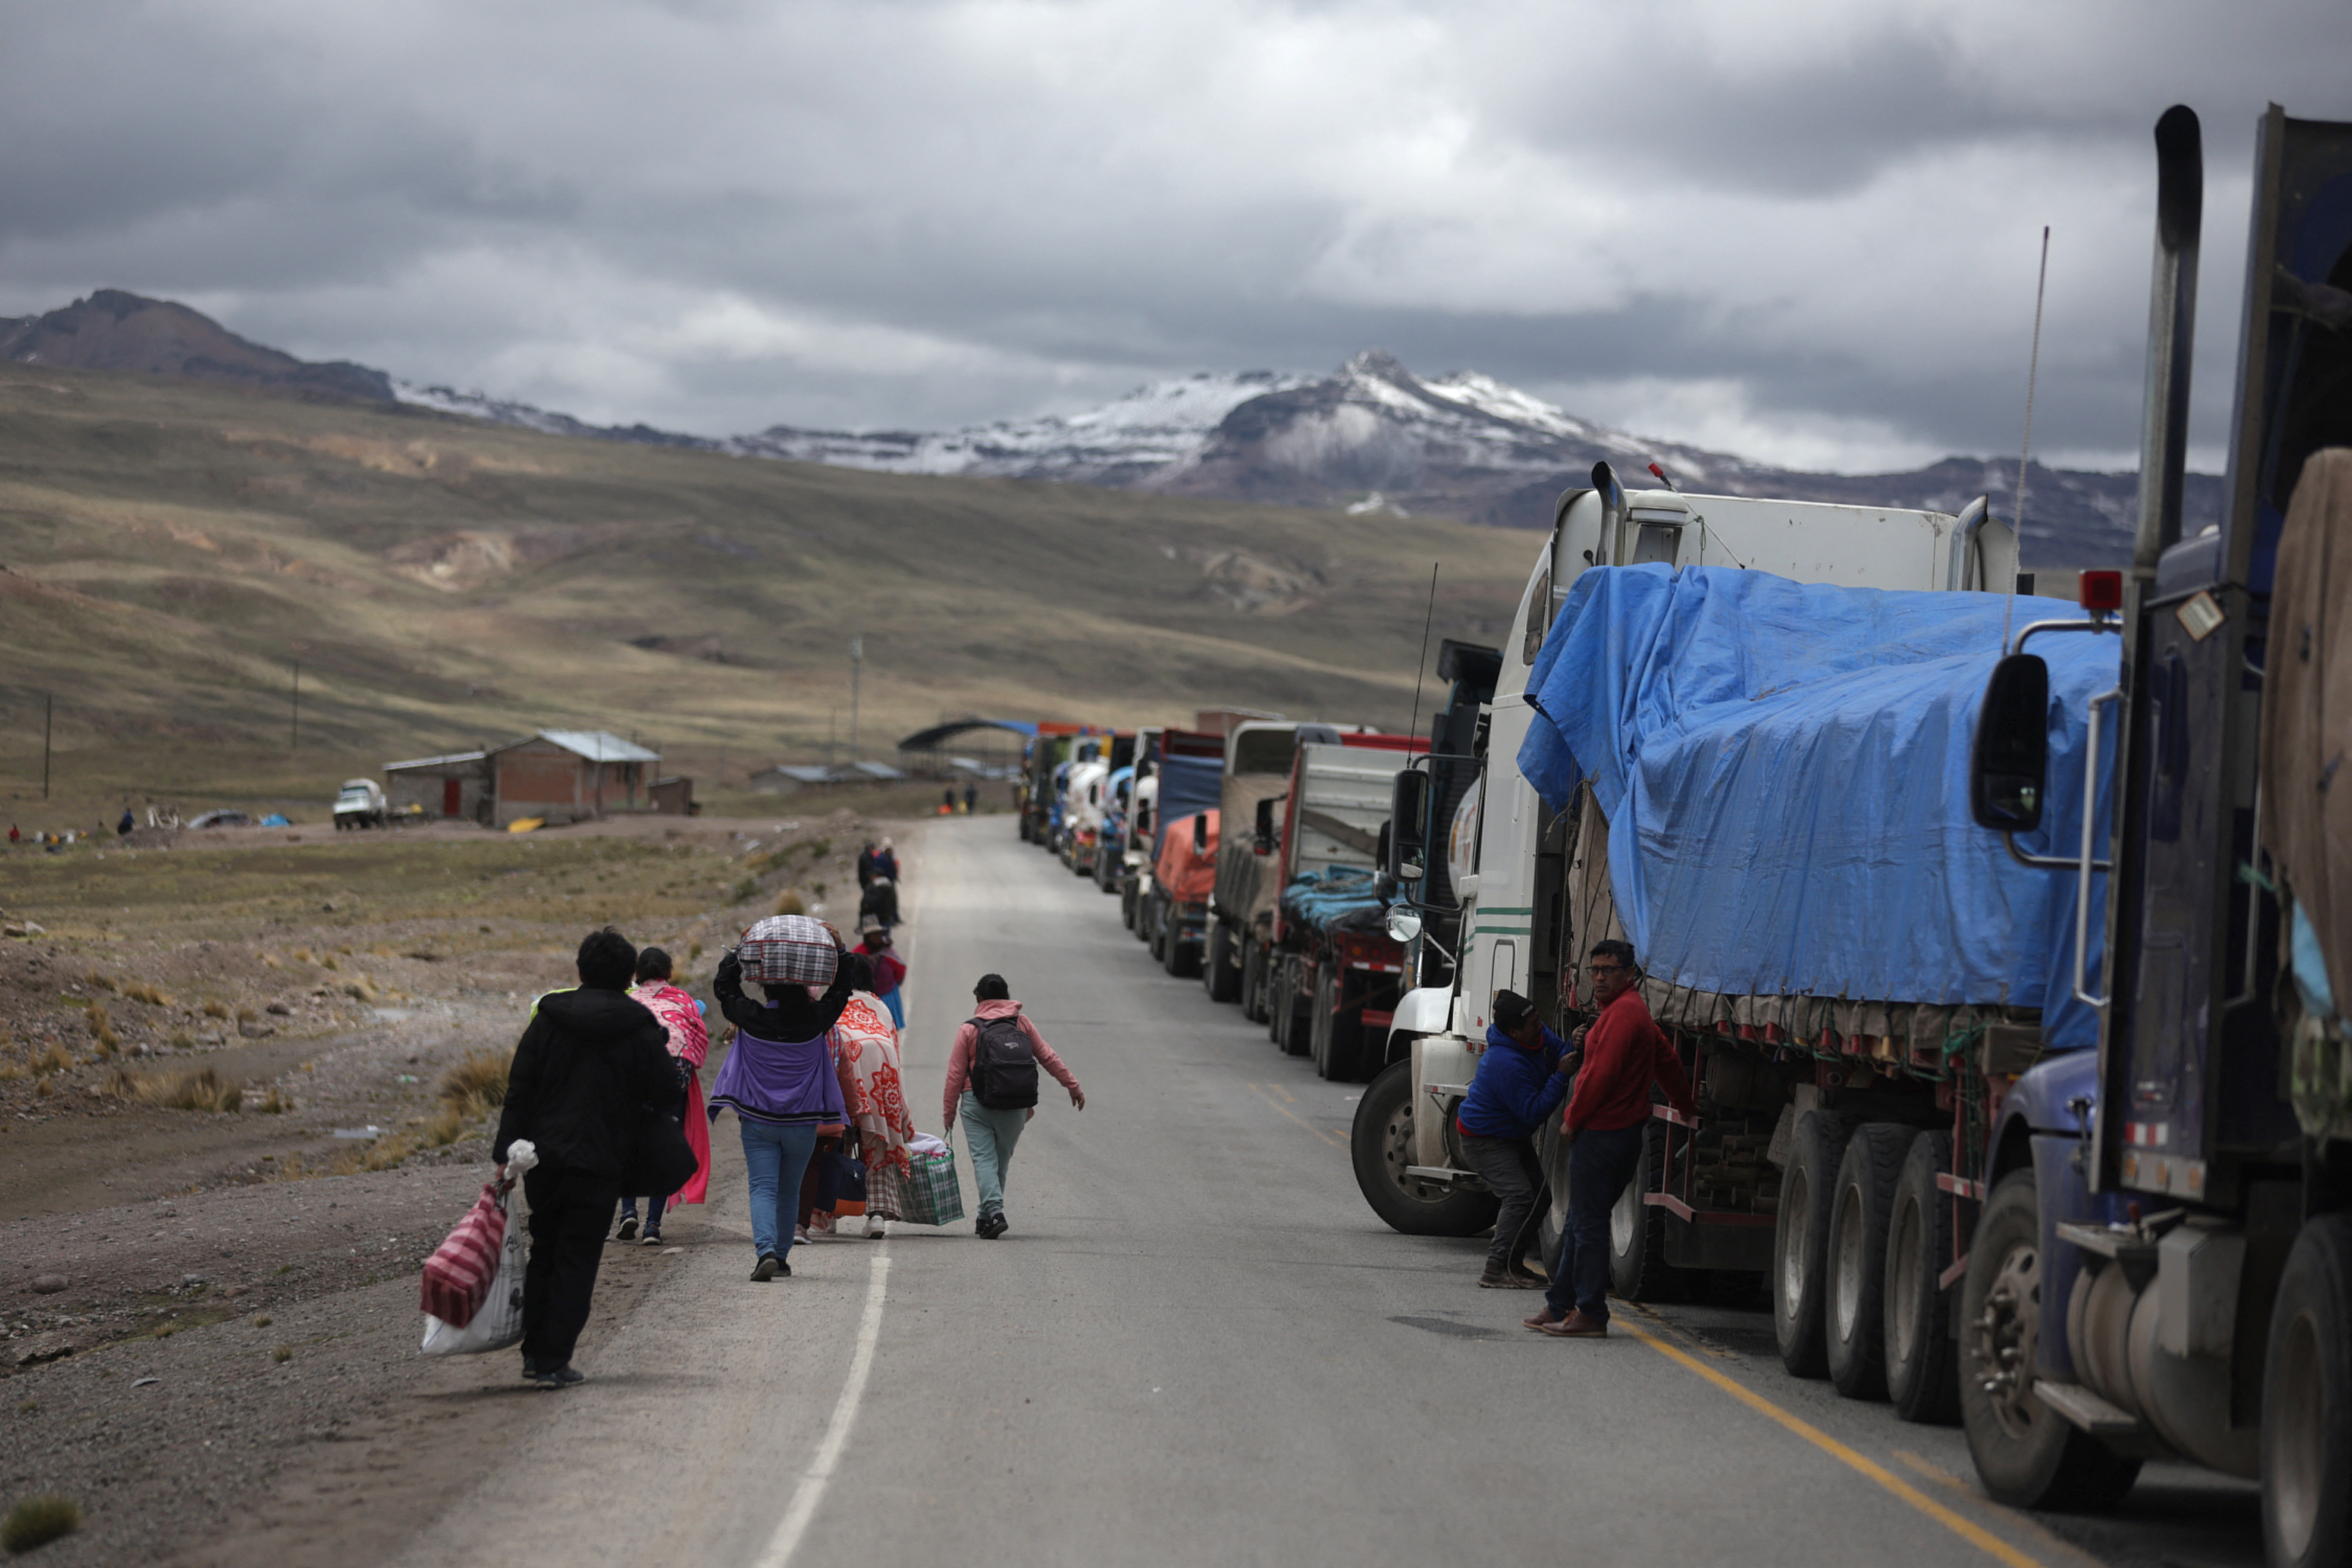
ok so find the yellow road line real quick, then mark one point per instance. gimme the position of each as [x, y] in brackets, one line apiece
[1968, 1530]
[1936, 1473]
[1327, 1137]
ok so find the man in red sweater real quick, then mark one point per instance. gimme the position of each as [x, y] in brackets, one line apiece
[1624, 1052]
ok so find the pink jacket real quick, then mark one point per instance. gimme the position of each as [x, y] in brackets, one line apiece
[959, 1059]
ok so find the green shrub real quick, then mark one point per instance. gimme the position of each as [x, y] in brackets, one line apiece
[37, 1521]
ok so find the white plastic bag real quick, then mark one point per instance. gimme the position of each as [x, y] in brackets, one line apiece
[498, 1322]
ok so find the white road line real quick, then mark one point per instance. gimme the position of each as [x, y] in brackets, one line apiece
[819, 1474]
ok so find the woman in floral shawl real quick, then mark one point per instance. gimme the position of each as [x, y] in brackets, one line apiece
[689, 1042]
[866, 1056]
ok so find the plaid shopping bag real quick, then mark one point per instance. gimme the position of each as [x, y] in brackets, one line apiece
[458, 1276]
[932, 1195]
[789, 950]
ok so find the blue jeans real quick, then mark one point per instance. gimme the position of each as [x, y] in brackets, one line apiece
[991, 1135]
[776, 1157]
[1599, 1163]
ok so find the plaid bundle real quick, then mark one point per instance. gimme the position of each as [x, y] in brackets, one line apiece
[458, 1276]
[789, 950]
[930, 1194]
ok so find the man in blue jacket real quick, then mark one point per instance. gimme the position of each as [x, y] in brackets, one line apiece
[1522, 1077]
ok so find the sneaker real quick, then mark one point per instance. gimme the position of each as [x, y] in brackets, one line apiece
[769, 1267]
[563, 1376]
[530, 1369]
[1504, 1279]
[1579, 1326]
[875, 1231]
[1528, 1277]
[628, 1228]
[651, 1239]
[997, 1225]
[800, 1236]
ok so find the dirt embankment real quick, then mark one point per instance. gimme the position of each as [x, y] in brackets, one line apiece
[201, 1307]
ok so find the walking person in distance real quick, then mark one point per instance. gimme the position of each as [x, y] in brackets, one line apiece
[587, 1066]
[993, 1086]
[1522, 1077]
[1624, 1052]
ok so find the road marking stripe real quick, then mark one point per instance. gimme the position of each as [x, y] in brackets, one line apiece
[1331, 1139]
[2041, 1532]
[819, 1474]
[1968, 1530]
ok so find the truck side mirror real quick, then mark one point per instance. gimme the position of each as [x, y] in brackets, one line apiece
[1263, 827]
[2009, 762]
[1200, 833]
[1403, 925]
[1408, 825]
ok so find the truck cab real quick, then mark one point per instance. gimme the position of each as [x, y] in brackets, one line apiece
[360, 804]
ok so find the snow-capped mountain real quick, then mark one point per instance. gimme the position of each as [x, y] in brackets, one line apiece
[1125, 442]
[1370, 436]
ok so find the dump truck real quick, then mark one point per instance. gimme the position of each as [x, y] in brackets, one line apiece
[1176, 910]
[1177, 774]
[1321, 967]
[1258, 758]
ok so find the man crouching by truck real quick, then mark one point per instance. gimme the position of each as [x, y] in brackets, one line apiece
[1522, 1077]
[1625, 1051]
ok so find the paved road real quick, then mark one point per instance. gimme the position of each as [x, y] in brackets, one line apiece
[1197, 1345]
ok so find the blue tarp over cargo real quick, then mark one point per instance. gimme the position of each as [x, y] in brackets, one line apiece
[1338, 897]
[1187, 785]
[1784, 769]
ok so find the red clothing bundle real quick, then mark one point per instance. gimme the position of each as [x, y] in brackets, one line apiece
[1623, 1050]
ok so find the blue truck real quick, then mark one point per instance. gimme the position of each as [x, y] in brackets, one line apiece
[2161, 1263]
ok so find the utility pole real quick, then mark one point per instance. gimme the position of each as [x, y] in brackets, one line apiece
[857, 669]
[832, 734]
[294, 729]
[48, 713]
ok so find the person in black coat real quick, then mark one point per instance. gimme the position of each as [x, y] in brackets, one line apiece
[588, 1066]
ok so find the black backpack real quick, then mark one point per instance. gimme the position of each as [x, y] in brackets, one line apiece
[1004, 1064]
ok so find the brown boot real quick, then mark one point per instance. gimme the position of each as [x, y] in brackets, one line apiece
[1579, 1326]
[1543, 1321]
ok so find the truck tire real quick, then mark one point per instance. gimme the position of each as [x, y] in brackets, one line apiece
[1860, 1211]
[1127, 904]
[1254, 982]
[1155, 928]
[1290, 1010]
[1800, 1279]
[1922, 1362]
[1638, 1270]
[1380, 1146]
[2307, 1402]
[1334, 1039]
[2027, 1455]
[1222, 969]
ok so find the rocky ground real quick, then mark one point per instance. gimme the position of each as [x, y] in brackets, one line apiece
[193, 1301]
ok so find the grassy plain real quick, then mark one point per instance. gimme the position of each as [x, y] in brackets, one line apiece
[172, 550]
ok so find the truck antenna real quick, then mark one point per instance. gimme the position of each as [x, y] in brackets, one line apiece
[1425, 620]
[2025, 447]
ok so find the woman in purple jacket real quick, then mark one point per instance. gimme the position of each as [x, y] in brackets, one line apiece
[780, 1081]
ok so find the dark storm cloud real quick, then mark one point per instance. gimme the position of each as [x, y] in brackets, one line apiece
[1804, 230]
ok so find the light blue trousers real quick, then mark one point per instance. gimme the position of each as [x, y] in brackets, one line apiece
[775, 1158]
[990, 1135]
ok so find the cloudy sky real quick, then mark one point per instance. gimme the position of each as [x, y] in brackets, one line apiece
[1805, 231]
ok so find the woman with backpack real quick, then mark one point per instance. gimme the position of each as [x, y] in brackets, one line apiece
[993, 1084]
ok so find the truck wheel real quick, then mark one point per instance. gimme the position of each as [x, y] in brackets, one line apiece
[1252, 981]
[1155, 929]
[2027, 1455]
[1922, 1370]
[1222, 968]
[1859, 1213]
[1801, 1244]
[1638, 1270]
[1380, 1145]
[1322, 1033]
[1181, 958]
[1127, 905]
[2307, 1402]
[1297, 1032]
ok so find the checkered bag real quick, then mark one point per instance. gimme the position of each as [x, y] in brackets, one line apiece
[458, 1274]
[789, 950]
[931, 1194]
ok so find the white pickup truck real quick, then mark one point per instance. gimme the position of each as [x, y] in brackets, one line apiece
[360, 804]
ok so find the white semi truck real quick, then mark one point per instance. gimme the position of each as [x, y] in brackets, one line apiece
[1505, 858]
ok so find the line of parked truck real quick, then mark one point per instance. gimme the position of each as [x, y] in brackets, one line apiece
[2009, 974]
